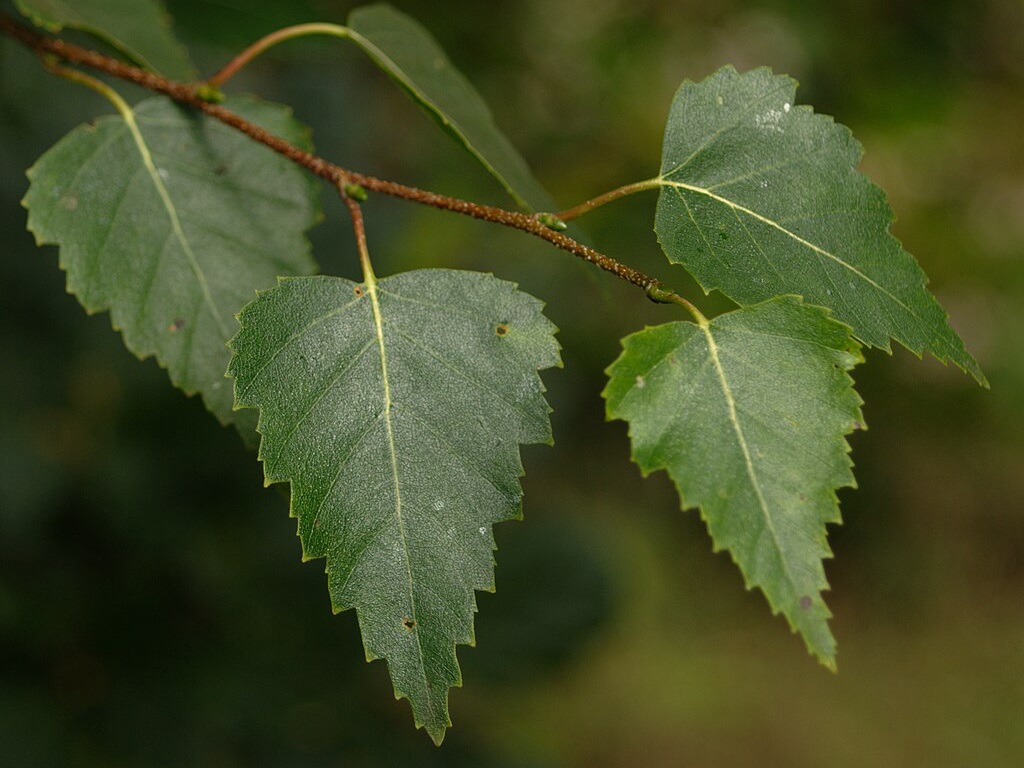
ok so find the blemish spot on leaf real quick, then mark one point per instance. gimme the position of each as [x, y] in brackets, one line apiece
[501, 329]
[805, 602]
[640, 382]
[221, 169]
[177, 325]
[69, 202]
[358, 291]
[719, 100]
[409, 623]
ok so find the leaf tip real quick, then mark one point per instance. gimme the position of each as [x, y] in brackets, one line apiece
[436, 734]
[828, 660]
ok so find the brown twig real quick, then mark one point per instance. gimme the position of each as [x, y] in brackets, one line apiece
[187, 94]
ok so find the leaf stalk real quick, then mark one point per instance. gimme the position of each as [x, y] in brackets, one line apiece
[608, 197]
[233, 67]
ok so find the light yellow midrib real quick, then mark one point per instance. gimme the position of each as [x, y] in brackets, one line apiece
[371, 289]
[172, 213]
[775, 225]
[741, 438]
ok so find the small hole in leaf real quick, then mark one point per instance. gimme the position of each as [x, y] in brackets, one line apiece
[358, 291]
[409, 623]
[805, 602]
[501, 329]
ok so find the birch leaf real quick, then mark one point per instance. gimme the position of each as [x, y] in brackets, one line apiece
[171, 221]
[748, 413]
[140, 29]
[761, 197]
[396, 409]
[410, 55]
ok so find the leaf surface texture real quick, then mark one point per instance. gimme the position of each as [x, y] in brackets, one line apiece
[747, 413]
[761, 197]
[171, 221]
[396, 409]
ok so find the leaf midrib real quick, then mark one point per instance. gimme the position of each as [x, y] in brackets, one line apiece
[172, 213]
[730, 402]
[776, 225]
[378, 322]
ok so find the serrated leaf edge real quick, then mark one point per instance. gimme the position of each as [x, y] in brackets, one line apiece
[437, 736]
[856, 423]
[792, 84]
[71, 290]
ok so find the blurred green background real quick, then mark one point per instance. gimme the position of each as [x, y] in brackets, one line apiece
[153, 609]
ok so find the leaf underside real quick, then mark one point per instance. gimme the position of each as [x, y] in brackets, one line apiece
[172, 227]
[761, 197]
[748, 415]
[396, 409]
[140, 29]
[411, 56]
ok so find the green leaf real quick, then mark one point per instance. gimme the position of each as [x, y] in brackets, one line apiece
[761, 197]
[395, 410]
[748, 413]
[172, 220]
[140, 29]
[414, 60]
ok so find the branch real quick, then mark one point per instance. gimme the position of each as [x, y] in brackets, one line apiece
[339, 177]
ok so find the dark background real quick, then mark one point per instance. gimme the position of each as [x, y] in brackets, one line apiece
[153, 609]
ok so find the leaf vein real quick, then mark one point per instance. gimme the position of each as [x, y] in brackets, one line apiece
[745, 450]
[775, 225]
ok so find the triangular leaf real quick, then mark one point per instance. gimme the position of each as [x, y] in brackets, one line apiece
[411, 56]
[395, 409]
[140, 29]
[747, 414]
[172, 220]
[761, 197]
